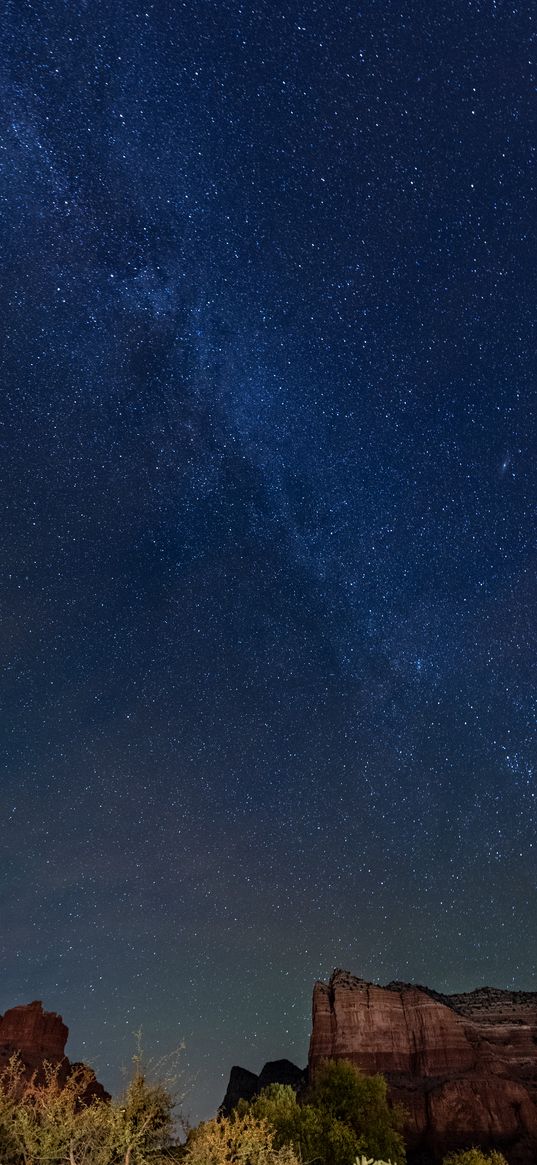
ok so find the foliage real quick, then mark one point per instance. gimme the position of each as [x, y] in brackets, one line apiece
[314, 1135]
[141, 1123]
[343, 1115]
[361, 1103]
[44, 1119]
[370, 1161]
[475, 1157]
[55, 1118]
[240, 1139]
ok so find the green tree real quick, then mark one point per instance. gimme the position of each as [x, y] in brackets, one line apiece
[361, 1103]
[141, 1123]
[313, 1134]
[343, 1115]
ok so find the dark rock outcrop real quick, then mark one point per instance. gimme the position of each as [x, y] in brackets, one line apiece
[464, 1066]
[244, 1085]
[39, 1037]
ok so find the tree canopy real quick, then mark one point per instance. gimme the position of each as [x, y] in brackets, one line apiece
[343, 1115]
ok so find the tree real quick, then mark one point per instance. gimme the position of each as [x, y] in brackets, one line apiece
[141, 1122]
[361, 1103]
[46, 1119]
[314, 1135]
[55, 1118]
[239, 1139]
[342, 1116]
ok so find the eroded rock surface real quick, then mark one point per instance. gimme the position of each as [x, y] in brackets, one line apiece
[464, 1066]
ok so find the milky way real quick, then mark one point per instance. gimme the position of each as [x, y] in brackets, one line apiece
[268, 485]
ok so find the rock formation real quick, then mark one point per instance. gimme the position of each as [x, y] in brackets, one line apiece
[464, 1066]
[37, 1036]
[243, 1085]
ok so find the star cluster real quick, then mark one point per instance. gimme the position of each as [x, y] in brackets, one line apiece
[268, 564]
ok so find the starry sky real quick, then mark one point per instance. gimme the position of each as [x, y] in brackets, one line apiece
[268, 479]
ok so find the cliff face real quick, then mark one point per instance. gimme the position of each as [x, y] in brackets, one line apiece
[463, 1066]
[38, 1036]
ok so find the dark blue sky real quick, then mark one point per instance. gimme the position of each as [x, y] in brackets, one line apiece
[268, 486]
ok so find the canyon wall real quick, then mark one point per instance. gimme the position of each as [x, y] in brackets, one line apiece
[463, 1066]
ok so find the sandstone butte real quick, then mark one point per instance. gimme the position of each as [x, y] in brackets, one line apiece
[463, 1066]
[38, 1036]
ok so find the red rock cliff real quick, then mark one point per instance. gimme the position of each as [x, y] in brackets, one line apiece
[464, 1066]
[38, 1036]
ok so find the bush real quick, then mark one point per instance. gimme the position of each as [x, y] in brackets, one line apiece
[370, 1161]
[239, 1139]
[44, 1118]
[58, 1119]
[475, 1157]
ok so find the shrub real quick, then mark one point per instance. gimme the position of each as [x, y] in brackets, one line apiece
[240, 1139]
[475, 1157]
[370, 1161]
[56, 1119]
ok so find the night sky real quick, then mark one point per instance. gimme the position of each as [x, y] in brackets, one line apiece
[268, 483]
